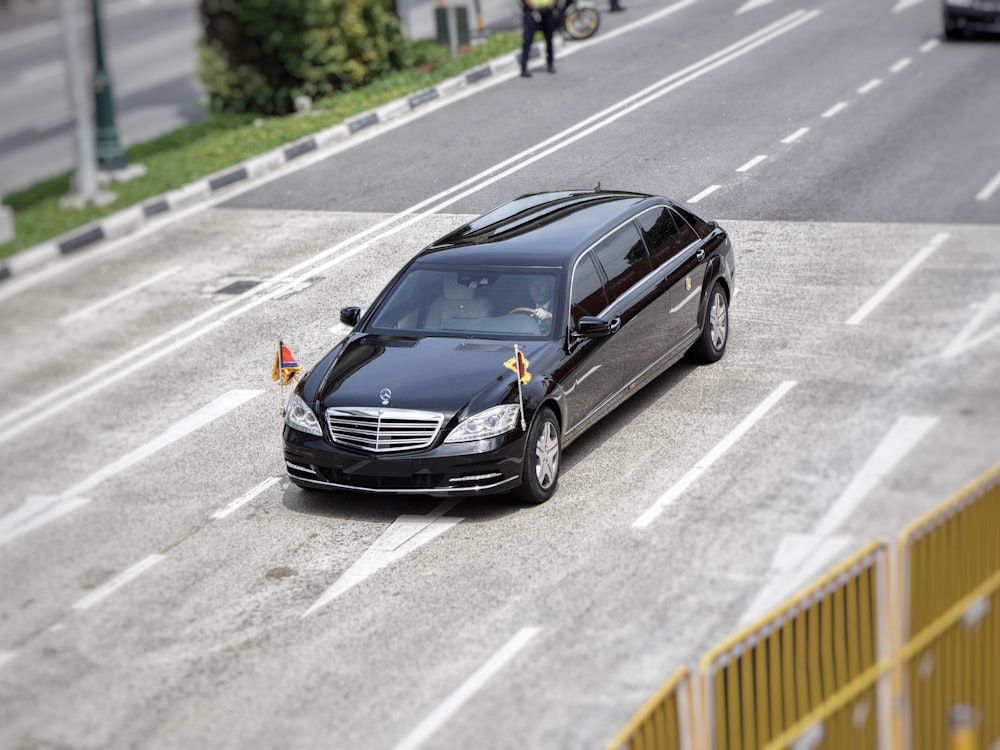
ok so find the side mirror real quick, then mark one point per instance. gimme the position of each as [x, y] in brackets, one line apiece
[594, 328]
[350, 316]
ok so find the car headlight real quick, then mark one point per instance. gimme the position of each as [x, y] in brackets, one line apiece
[300, 417]
[486, 424]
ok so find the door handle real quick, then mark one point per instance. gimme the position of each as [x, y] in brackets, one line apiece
[700, 255]
[616, 323]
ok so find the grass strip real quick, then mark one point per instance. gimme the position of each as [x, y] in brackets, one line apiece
[222, 140]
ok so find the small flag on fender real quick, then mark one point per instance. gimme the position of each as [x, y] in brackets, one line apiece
[519, 364]
[285, 366]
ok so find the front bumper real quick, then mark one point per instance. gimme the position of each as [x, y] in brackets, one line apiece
[460, 469]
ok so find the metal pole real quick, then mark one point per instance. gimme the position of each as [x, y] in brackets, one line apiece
[84, 183]
[110, 155]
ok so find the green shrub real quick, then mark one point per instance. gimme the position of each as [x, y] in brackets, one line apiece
[258, 55]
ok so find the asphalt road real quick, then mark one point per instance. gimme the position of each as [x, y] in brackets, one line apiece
[164, 587]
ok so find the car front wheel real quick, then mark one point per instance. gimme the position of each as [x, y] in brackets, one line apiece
[543, 451]
[715, 333]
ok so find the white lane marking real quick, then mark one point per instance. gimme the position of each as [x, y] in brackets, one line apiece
[704, 193]
[991, 187]
[752, 163]
[898, 278]
[103, 592]
[406, 534]
[713, 455]
[116, 369]
[904, 4]
[11, 39]
[800, 557]
[795, 136]
[6, 656]
[469, 688]
[929, 45]
[246, 497]
[751, 5]
[40, 72]
[38, 511]
[835, 109]
[964, 340]
[873, 84]
[901, 65]
[117, 297]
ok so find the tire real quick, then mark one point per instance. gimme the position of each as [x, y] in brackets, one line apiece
[711, 345]
[582, 22]
[542, 455]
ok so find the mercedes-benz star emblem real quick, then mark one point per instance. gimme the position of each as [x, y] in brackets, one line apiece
[385, 394]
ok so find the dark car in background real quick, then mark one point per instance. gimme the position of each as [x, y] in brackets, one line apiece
[962, 18]
[500, 343]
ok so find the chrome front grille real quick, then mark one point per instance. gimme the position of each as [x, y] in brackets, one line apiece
[383, 430]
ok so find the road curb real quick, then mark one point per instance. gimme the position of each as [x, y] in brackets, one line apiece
[128, 219]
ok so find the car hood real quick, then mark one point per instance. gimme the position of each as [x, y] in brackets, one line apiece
[431, 373]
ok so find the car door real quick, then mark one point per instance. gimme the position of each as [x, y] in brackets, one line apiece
[595, 366]
[676, 251]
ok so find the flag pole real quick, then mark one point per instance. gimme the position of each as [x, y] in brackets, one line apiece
[520, 395]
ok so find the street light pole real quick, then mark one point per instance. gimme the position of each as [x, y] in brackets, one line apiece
[110, 155]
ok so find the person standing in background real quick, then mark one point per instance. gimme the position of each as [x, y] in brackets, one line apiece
[538, 15]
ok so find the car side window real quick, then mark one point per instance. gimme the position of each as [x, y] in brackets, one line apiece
[692, 229]
[623, 257]
[663, 238]
[588, 297]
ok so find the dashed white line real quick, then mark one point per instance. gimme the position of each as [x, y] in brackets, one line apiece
[898, 278]
[991, 187]
[118, 296]
[713, 455]
[6, 656]
[470, 687]
[704, 193]
[873, 84]
[929, 45]
[835, 109]
[38, 511]
[904, 4]
[902, 64]
[116, 583]
[752, 163]
[246, 497]
[795, 136]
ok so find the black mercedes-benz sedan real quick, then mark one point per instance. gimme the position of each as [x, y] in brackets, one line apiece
[969, 17]
[500, 343]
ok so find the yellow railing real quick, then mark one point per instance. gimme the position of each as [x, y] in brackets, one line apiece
[867, 657]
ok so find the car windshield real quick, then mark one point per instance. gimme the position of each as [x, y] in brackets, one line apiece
[505, 303]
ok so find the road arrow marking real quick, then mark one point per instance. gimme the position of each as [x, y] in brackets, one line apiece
[801, 556]
[965, 340]
[405, 535]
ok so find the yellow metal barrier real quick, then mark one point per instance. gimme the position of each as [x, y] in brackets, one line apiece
[664, 722]
[821, 673]
[950, 658]
[764, 681]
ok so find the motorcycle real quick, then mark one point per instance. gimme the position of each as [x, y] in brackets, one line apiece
[577, 19]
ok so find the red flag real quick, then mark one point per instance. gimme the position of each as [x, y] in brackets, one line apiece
[285, 366]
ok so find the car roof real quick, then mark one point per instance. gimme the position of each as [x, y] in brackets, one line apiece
[541, 229]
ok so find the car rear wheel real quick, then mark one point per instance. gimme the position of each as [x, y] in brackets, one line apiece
[543, 451]
[711, 345]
